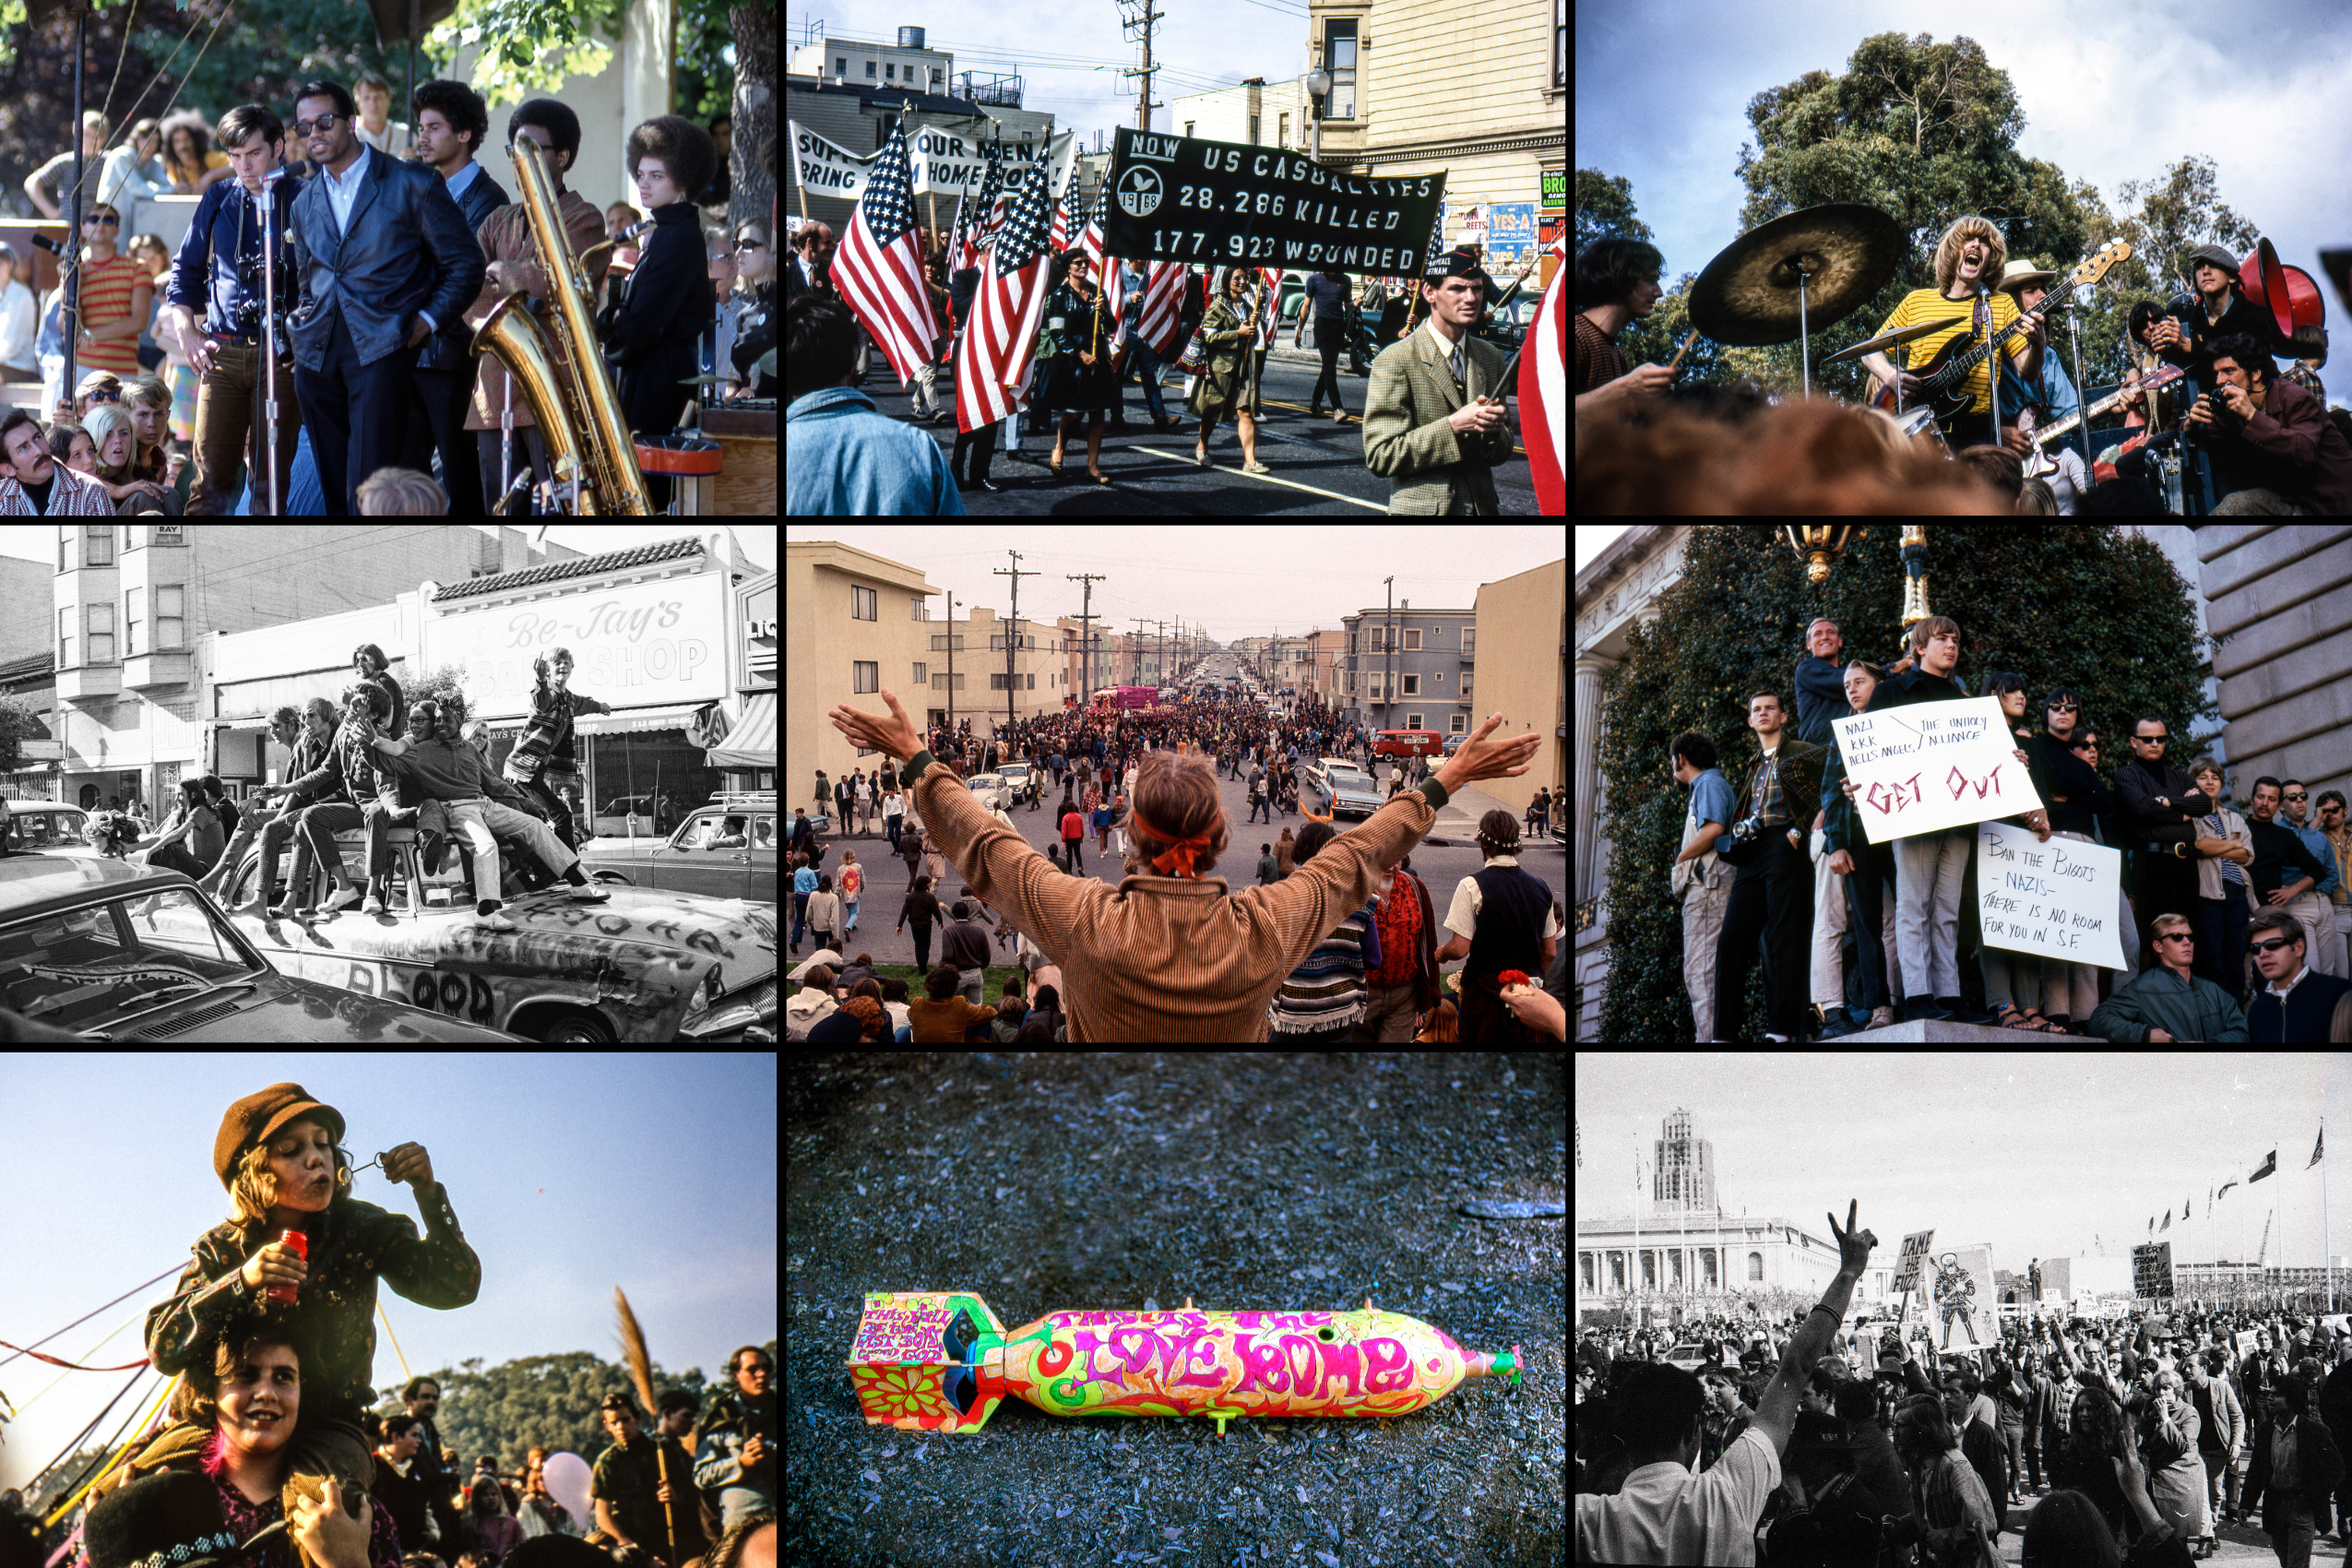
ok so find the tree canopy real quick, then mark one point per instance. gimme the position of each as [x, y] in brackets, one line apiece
[1927, 132]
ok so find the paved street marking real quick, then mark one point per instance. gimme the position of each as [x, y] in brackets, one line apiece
[1294, 485]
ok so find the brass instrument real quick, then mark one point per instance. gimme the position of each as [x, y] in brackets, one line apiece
[588, 446]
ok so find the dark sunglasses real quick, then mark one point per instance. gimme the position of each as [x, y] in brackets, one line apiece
[101, 218]
[2064, 708]
[2297, 800]
[2273, 945]
[2151, 740]
[2176, 936]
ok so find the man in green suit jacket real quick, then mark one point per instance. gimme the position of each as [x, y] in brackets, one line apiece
[1434, 420]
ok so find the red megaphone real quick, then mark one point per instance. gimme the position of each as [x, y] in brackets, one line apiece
[2287, 293]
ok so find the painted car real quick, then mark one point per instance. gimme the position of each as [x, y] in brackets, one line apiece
[723, 849]
[112, 951]
[648, 966]
[1350, 789]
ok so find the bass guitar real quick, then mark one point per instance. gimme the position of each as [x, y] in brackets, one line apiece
[1946, 376]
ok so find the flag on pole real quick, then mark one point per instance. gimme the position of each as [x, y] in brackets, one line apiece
[878, 271]
[2168, 1221]
[999, 345]
[2270, 1168]
[1163, 316]
[981, 216]
[2318, 1148]
[1543, 393]
[2225, 1189]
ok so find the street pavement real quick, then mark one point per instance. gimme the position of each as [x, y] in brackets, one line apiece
[1441, 859]
[1318, 466]
[2242, 1543]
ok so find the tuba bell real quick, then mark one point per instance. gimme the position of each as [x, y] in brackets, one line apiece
[588, 446]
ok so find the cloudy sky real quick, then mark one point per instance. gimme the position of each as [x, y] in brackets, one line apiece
[1070, 56]
[2039, 1155]
[1234, 582]
[2110, 93]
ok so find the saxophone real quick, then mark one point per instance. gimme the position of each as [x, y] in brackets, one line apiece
[588, 446]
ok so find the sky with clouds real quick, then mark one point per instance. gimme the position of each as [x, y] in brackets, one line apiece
[2110, 93]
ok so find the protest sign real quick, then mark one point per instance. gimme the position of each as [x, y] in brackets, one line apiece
[1906, 1273]
[1932, 765]
[1965, 1315]
[824, 169]
[2151, 1269]
[1227, 204]
[2058, 899]
[950, 164]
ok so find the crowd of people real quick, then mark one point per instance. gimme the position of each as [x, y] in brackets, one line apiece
[401, 242]
[1794, 1443]
[1337, 940]
[1855, 935]
[2217, 409]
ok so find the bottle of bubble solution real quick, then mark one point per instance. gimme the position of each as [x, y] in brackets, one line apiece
[283, 1295]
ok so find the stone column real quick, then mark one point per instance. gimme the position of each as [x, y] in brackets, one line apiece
[1589, 873]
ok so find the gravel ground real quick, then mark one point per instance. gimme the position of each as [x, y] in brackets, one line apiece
[1053, 1181]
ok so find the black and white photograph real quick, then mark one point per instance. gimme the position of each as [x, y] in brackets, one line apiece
[1191, 784]
[1967, 1311]
[319, 782]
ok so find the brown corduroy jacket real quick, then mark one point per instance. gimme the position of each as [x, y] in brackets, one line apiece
[1166, 958]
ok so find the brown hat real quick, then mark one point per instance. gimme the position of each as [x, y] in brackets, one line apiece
[256, 1118]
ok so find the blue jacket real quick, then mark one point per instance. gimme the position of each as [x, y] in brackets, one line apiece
[205, 275]
[842, 460]
[409, 250]
[2156, 999]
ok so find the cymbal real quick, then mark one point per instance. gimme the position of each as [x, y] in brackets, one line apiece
[1888, 340]
[1747, 294]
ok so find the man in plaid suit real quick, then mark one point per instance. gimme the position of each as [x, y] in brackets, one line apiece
[1434, 421]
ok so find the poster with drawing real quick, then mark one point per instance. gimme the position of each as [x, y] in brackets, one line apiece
[1963, 1311]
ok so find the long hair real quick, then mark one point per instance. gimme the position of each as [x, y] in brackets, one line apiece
[1947, 252]
[253, 1189]
[198, 1399]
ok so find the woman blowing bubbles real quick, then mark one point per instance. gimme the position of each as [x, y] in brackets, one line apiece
[1171, 955]
[293, 1421]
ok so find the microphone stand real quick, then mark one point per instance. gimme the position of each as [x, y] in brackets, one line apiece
[270, 331]
[2082, 406]
[1992, 359]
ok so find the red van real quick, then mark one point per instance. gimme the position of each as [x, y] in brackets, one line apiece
[1408, 742]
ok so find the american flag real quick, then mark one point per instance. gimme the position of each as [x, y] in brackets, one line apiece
[1543, 393]
[999, 344]
[980, 216]
[879, 271]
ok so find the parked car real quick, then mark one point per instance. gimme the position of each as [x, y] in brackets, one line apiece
[725, 849]
[49, 825]
[991, 789]
[650, 966]
[114, 951]
[1348, 789]
[1407, 743]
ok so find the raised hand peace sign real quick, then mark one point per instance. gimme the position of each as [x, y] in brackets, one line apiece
[1853, 1246]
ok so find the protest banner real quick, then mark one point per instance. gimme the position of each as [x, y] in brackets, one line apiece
[824, 169]
[2058, 899]
[1965, 1315]
[1932, 765]
[2151, 1269]
[1225, 204]
[950, 164]
[1906, 1273]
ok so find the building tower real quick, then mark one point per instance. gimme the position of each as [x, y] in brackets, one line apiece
[1683, 1179]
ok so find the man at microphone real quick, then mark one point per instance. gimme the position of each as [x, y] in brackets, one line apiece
[1969, 262]
[218, 267]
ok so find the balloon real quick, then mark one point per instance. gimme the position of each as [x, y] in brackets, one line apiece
[567, 1482]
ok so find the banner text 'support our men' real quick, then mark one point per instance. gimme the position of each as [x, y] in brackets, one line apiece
[1229, 204]
[1933, 764]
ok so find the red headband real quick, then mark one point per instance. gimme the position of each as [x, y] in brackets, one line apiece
[1180, 853]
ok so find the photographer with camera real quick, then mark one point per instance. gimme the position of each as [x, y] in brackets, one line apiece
[2271, 439]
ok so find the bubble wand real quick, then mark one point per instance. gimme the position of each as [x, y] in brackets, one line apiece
[939, 1361]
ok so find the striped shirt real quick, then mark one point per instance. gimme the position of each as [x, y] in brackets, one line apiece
[1327, 988]
[106, 297]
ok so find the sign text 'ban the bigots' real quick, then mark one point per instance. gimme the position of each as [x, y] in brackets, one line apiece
[1927, 766]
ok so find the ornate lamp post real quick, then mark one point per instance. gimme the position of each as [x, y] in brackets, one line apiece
[1822, 543]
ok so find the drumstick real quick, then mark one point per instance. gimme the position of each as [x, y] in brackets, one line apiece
[1675, 364]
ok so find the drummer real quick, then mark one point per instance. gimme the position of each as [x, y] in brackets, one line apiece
[1971, 252]
[1616, 284]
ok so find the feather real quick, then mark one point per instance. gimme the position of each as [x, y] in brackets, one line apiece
[632, 1347]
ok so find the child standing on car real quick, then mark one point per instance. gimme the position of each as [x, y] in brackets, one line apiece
[542, 761]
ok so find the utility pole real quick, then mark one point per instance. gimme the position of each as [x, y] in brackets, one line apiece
[1136, 650]
[1086, 634]
[1387, 658]
[1013, 631]
[950, 665]
[1135, 15]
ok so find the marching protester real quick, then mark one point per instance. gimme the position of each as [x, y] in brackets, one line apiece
[1228, 384]
[1435, 425]
[1075, 351]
